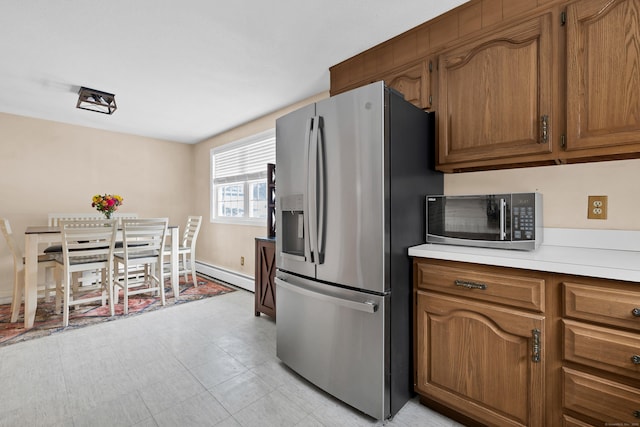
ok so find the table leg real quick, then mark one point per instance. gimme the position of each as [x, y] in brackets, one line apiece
[174, 262]
[30, 279]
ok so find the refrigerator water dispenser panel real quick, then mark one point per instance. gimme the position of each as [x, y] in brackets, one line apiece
[292, 233]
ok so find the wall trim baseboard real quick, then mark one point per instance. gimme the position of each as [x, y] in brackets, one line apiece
[237, 279]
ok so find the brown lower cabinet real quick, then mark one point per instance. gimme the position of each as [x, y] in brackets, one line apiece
[480, 341]
[265, 292]
[601, 349]
[503, 346]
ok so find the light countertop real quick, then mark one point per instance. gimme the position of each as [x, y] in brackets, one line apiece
[609, 254]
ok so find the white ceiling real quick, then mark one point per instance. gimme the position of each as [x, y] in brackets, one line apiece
[185, 70]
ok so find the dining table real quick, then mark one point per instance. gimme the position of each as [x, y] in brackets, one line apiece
[34, 236]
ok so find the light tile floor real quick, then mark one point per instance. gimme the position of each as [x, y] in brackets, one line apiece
[205, 363]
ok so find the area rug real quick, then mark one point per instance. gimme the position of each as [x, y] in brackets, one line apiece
[47, 322]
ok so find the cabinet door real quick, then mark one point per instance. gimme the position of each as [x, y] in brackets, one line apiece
[478, 359]
[494, 96]
[413, 82]
[265, 292]
[603, 79]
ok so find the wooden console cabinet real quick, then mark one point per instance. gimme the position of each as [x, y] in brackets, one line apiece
[265, 292]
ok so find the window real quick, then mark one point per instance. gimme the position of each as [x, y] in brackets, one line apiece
[239, 179]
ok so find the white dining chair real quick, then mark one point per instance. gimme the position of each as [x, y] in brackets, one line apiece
[53, 220]
[124, 215]
[187, 249]
[143, 246]
[87, 245]
[52, 282]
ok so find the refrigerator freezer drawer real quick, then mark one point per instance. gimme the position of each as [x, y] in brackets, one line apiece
[337, 339]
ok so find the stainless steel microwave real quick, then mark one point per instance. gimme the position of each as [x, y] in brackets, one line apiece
[504, 221]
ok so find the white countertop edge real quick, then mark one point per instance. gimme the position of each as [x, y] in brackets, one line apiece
[577, 258]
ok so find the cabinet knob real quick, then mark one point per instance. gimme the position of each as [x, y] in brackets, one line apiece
[636, 312]
[635, 359]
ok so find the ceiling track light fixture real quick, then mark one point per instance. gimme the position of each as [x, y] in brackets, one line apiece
[96, 100]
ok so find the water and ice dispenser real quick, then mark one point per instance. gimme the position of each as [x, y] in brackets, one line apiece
[292, 233]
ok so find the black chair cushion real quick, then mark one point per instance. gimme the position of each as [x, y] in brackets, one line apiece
[58, 248]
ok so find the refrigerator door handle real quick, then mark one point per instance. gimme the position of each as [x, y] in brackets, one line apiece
[312, 190]
[365, 306]
[321, 193]
[308, 248]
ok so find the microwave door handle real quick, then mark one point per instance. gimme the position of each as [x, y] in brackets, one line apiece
[307, 158]
[503, 214]
[312, 191]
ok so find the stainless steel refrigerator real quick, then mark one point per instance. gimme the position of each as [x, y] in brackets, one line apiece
[353, 171]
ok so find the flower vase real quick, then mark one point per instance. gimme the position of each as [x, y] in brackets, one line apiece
[107, 215]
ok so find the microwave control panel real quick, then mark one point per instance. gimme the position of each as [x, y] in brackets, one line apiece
[523, 214]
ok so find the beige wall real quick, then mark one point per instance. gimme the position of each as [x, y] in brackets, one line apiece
[53, 167]
[564, 191]
[222, 245]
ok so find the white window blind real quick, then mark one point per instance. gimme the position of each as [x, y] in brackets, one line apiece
[244, 160]
[239, 179]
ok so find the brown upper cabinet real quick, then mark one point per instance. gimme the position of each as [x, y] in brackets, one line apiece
[495, 97]
[603, 78]
[413, 79]
[517, 83]
[413, 82]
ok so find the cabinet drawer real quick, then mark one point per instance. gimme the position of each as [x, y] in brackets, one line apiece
[512, 290]
[613, 307]
[572, 422]
[602, 348]
[599, 398]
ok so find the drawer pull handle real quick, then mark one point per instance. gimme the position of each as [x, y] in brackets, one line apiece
[470, 285]
[636, 312]
[636, 414]
[635, 359]
[535, 356]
